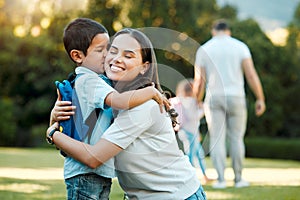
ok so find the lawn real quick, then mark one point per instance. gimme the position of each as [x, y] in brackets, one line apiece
[34, 174]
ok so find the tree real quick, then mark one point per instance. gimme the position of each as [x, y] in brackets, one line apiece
[30, 64]
[290, 78]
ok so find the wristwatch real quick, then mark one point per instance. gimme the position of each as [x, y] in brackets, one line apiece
[49, 137]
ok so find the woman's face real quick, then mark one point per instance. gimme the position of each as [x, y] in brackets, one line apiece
[124, 60]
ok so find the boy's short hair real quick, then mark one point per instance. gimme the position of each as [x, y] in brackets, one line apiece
[221, 25]
[79, 34]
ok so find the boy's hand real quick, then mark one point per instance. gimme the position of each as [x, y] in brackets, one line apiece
[161, 100]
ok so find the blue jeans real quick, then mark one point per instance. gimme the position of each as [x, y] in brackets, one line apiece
[198, 195]
[88, 187]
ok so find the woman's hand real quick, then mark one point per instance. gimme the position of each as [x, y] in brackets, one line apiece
[62, 110]
[50, 128]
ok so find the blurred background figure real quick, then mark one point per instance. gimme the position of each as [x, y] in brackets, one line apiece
[189, 121]
[220, 66]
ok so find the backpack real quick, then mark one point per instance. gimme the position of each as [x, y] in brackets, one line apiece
[74, 127]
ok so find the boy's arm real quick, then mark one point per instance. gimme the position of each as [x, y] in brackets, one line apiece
[130, 99]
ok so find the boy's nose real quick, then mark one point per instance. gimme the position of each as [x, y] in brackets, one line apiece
[105, 53]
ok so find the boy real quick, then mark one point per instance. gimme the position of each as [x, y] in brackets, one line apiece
[86, 43]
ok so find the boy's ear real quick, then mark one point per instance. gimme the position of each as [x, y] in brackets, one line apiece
[145, 67]
[77, 56]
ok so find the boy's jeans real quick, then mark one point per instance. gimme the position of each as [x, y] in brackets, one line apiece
[88, 187]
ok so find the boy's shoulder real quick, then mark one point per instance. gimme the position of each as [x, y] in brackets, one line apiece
[86, 75]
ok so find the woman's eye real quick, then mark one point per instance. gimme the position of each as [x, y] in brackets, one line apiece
[128, 56]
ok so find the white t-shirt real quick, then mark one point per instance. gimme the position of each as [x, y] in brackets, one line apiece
[151, 166]
[189, 113]
[222, 58]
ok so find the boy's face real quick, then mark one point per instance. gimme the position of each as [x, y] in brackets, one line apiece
[94, 59]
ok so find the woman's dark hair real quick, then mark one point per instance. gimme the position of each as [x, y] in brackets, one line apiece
[79, 34]
[148, 55]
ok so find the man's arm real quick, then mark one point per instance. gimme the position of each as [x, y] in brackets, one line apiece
[199, 82]
[255, 85]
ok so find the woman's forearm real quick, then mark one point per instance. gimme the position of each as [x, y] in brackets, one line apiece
[92, 156]
[73, 148]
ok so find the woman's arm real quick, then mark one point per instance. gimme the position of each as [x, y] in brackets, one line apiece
[92, 156]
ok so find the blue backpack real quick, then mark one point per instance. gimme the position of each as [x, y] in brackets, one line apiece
[74, 127]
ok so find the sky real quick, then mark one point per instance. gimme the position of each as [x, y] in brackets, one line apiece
[270, 14]
[273, 16]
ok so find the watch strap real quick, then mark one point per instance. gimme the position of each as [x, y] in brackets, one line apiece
[50, 136]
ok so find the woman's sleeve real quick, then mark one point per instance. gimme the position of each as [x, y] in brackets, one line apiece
[130, 124]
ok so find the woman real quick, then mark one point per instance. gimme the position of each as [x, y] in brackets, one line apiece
[148, 161]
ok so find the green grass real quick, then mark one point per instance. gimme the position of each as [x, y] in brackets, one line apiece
[34, 174]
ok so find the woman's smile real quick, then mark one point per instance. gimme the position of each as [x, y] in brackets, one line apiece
[115, 68]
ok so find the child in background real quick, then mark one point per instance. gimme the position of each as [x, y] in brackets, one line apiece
[189, 121]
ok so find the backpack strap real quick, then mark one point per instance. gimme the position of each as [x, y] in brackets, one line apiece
[91, 122]
[84, 129]
[72, 78]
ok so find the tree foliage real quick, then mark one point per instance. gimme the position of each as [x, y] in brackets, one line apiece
[29, 65]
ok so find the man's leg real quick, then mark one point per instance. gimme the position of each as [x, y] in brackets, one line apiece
[237, 120]
[215, 117]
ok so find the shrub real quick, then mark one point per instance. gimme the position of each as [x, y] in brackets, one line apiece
[275, 148]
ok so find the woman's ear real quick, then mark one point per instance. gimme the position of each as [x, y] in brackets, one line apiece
[145, 67]
[77, 56]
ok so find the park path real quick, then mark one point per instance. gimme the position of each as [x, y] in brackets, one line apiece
[256, 176]
[261, 176]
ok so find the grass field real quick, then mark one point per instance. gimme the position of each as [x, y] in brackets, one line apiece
[34, 174]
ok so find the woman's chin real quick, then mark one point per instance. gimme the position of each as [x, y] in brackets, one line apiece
[114, 76]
